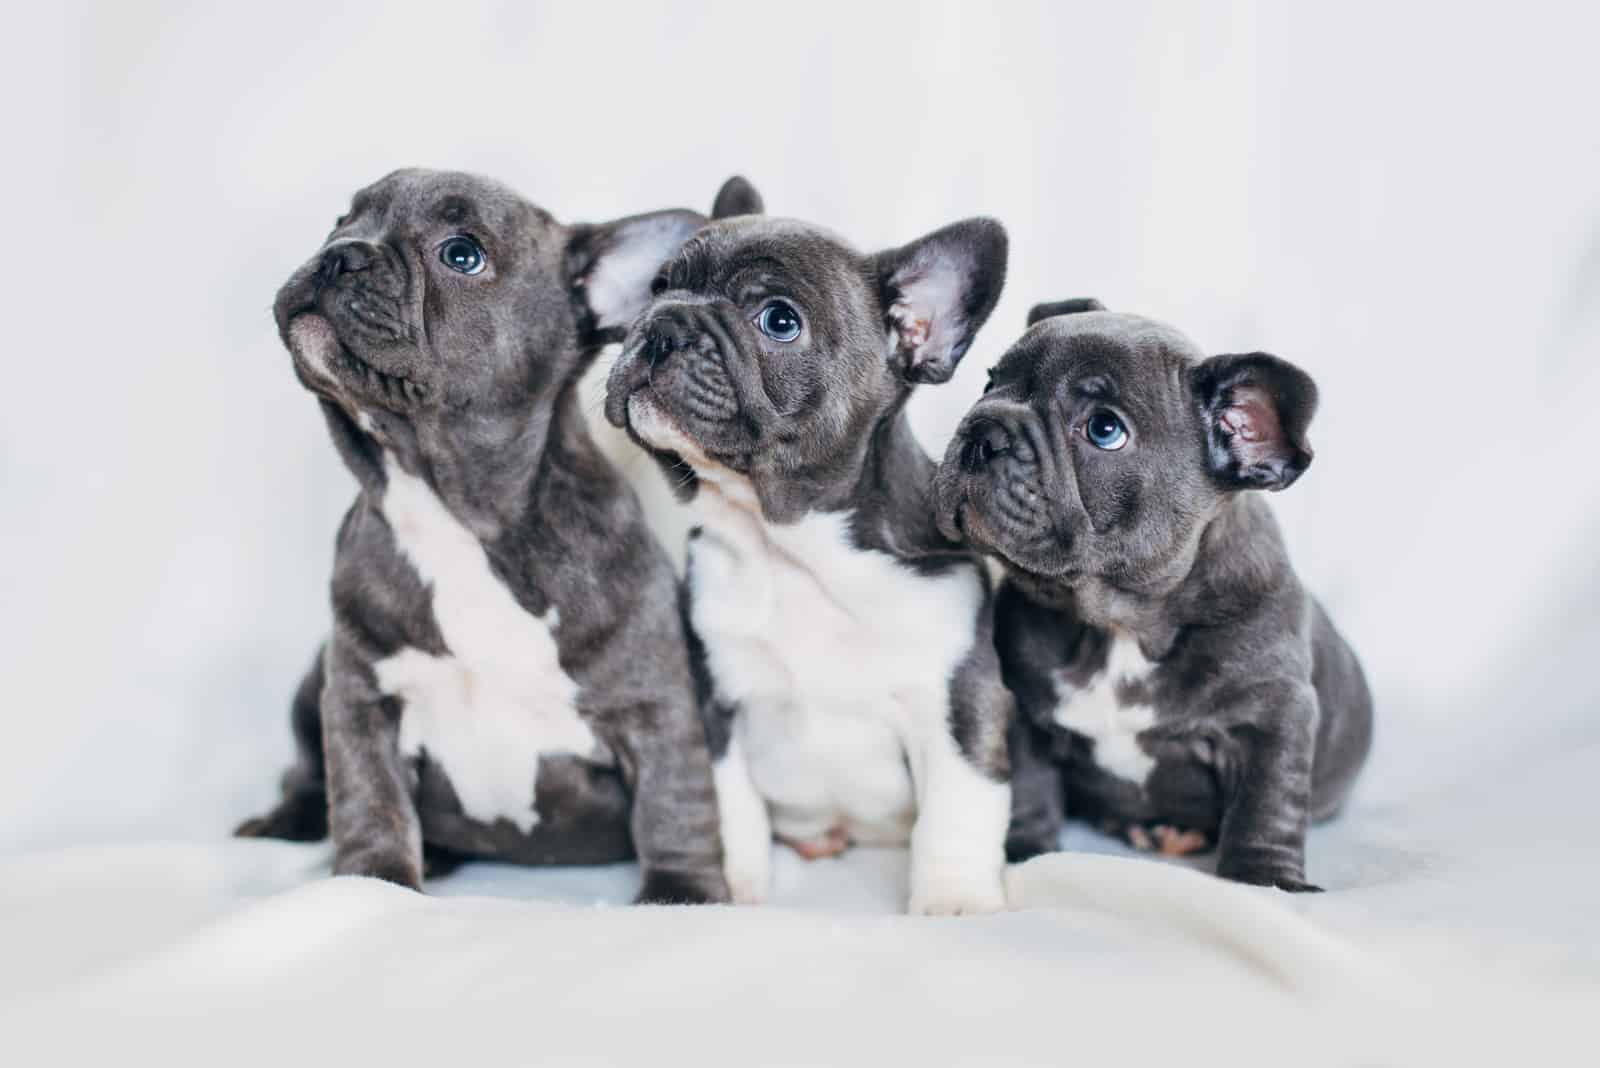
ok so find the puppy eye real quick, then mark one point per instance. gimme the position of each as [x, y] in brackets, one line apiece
[462, 255]
[779, 321]
[1105, 431]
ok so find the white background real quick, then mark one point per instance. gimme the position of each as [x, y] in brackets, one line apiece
[1404, 199]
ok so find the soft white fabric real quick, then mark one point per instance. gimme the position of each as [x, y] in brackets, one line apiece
[1400, 198]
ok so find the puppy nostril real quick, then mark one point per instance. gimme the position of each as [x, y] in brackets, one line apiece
[343, 258]
[989, 440]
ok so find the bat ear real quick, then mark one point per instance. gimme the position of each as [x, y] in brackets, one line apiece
[1255, 409]
[737, 197]
[611, 265]
[937, 291]
[1064, 307]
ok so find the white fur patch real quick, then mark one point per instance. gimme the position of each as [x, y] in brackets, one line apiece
[1095, 711]
[957, 848]
[840, 660]
[746, 831]
[499, 700]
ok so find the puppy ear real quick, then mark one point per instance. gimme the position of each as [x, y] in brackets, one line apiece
[737, 197]
[1255, 409]
[937, 291]
[611, 265]
[1064, 307]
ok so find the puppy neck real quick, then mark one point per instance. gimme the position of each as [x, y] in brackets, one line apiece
[486, 470]
[1234, 564]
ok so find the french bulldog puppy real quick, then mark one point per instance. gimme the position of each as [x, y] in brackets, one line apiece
[850, 682]
[1165, 657]
[508, 675]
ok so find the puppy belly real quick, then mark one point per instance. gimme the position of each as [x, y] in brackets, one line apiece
[821, 770]
[836, 657]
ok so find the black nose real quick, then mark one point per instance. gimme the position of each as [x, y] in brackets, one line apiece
[985, 441]
[344, 258]
[666, 334]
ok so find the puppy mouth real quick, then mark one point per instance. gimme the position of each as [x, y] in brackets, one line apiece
[326, 363]
[671, 391]
[649, 421]
[1010, 522]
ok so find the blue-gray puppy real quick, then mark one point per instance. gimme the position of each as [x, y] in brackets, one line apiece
[852, 689]
[1166, 658]
[507, 675]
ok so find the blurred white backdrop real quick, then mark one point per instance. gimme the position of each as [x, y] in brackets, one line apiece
[1405, 199]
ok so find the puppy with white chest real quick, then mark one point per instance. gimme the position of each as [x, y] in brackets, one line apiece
[850, 682]
[1168, 664]
[508, 675]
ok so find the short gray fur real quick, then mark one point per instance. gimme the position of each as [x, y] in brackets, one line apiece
[469, 384]
[1262, 716]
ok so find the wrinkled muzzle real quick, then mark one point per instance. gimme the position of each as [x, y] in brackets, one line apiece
[991, 487]
[344, 318]
[676, 353]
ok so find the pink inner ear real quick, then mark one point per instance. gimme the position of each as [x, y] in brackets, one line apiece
[1251, 422]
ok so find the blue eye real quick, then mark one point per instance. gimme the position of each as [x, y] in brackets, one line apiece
[779, 321]
[1105, 431]
[462, 254]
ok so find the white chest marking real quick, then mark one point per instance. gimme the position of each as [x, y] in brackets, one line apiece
[839, 658]
[1096, 712]
[498, 700]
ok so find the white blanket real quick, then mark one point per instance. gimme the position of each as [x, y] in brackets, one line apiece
[1459, 928]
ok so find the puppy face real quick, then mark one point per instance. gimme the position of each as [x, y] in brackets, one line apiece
[770, 347]
[1106, 442]
[439, 291]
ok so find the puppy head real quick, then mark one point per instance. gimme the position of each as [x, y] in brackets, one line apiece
[1106, 442]
[438, 291]
[771, 348]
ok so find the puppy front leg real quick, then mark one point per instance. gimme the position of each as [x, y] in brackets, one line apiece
[372, 813]
[958, 842]
[746, 826]
[674, 820]
[1267, 783]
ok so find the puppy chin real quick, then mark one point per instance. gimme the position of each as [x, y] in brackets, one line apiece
[1038, 558]
[313, 342]
[652, 424]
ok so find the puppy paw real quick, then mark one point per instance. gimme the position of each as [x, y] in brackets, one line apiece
[830, 843]
[749, 878]
[682, 888]
[299, 817]
[1282, 878]
[373, 864]
[956, 893]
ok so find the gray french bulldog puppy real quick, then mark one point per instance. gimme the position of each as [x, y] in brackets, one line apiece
[507, 675]
[848, 671]
[1166, 659]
